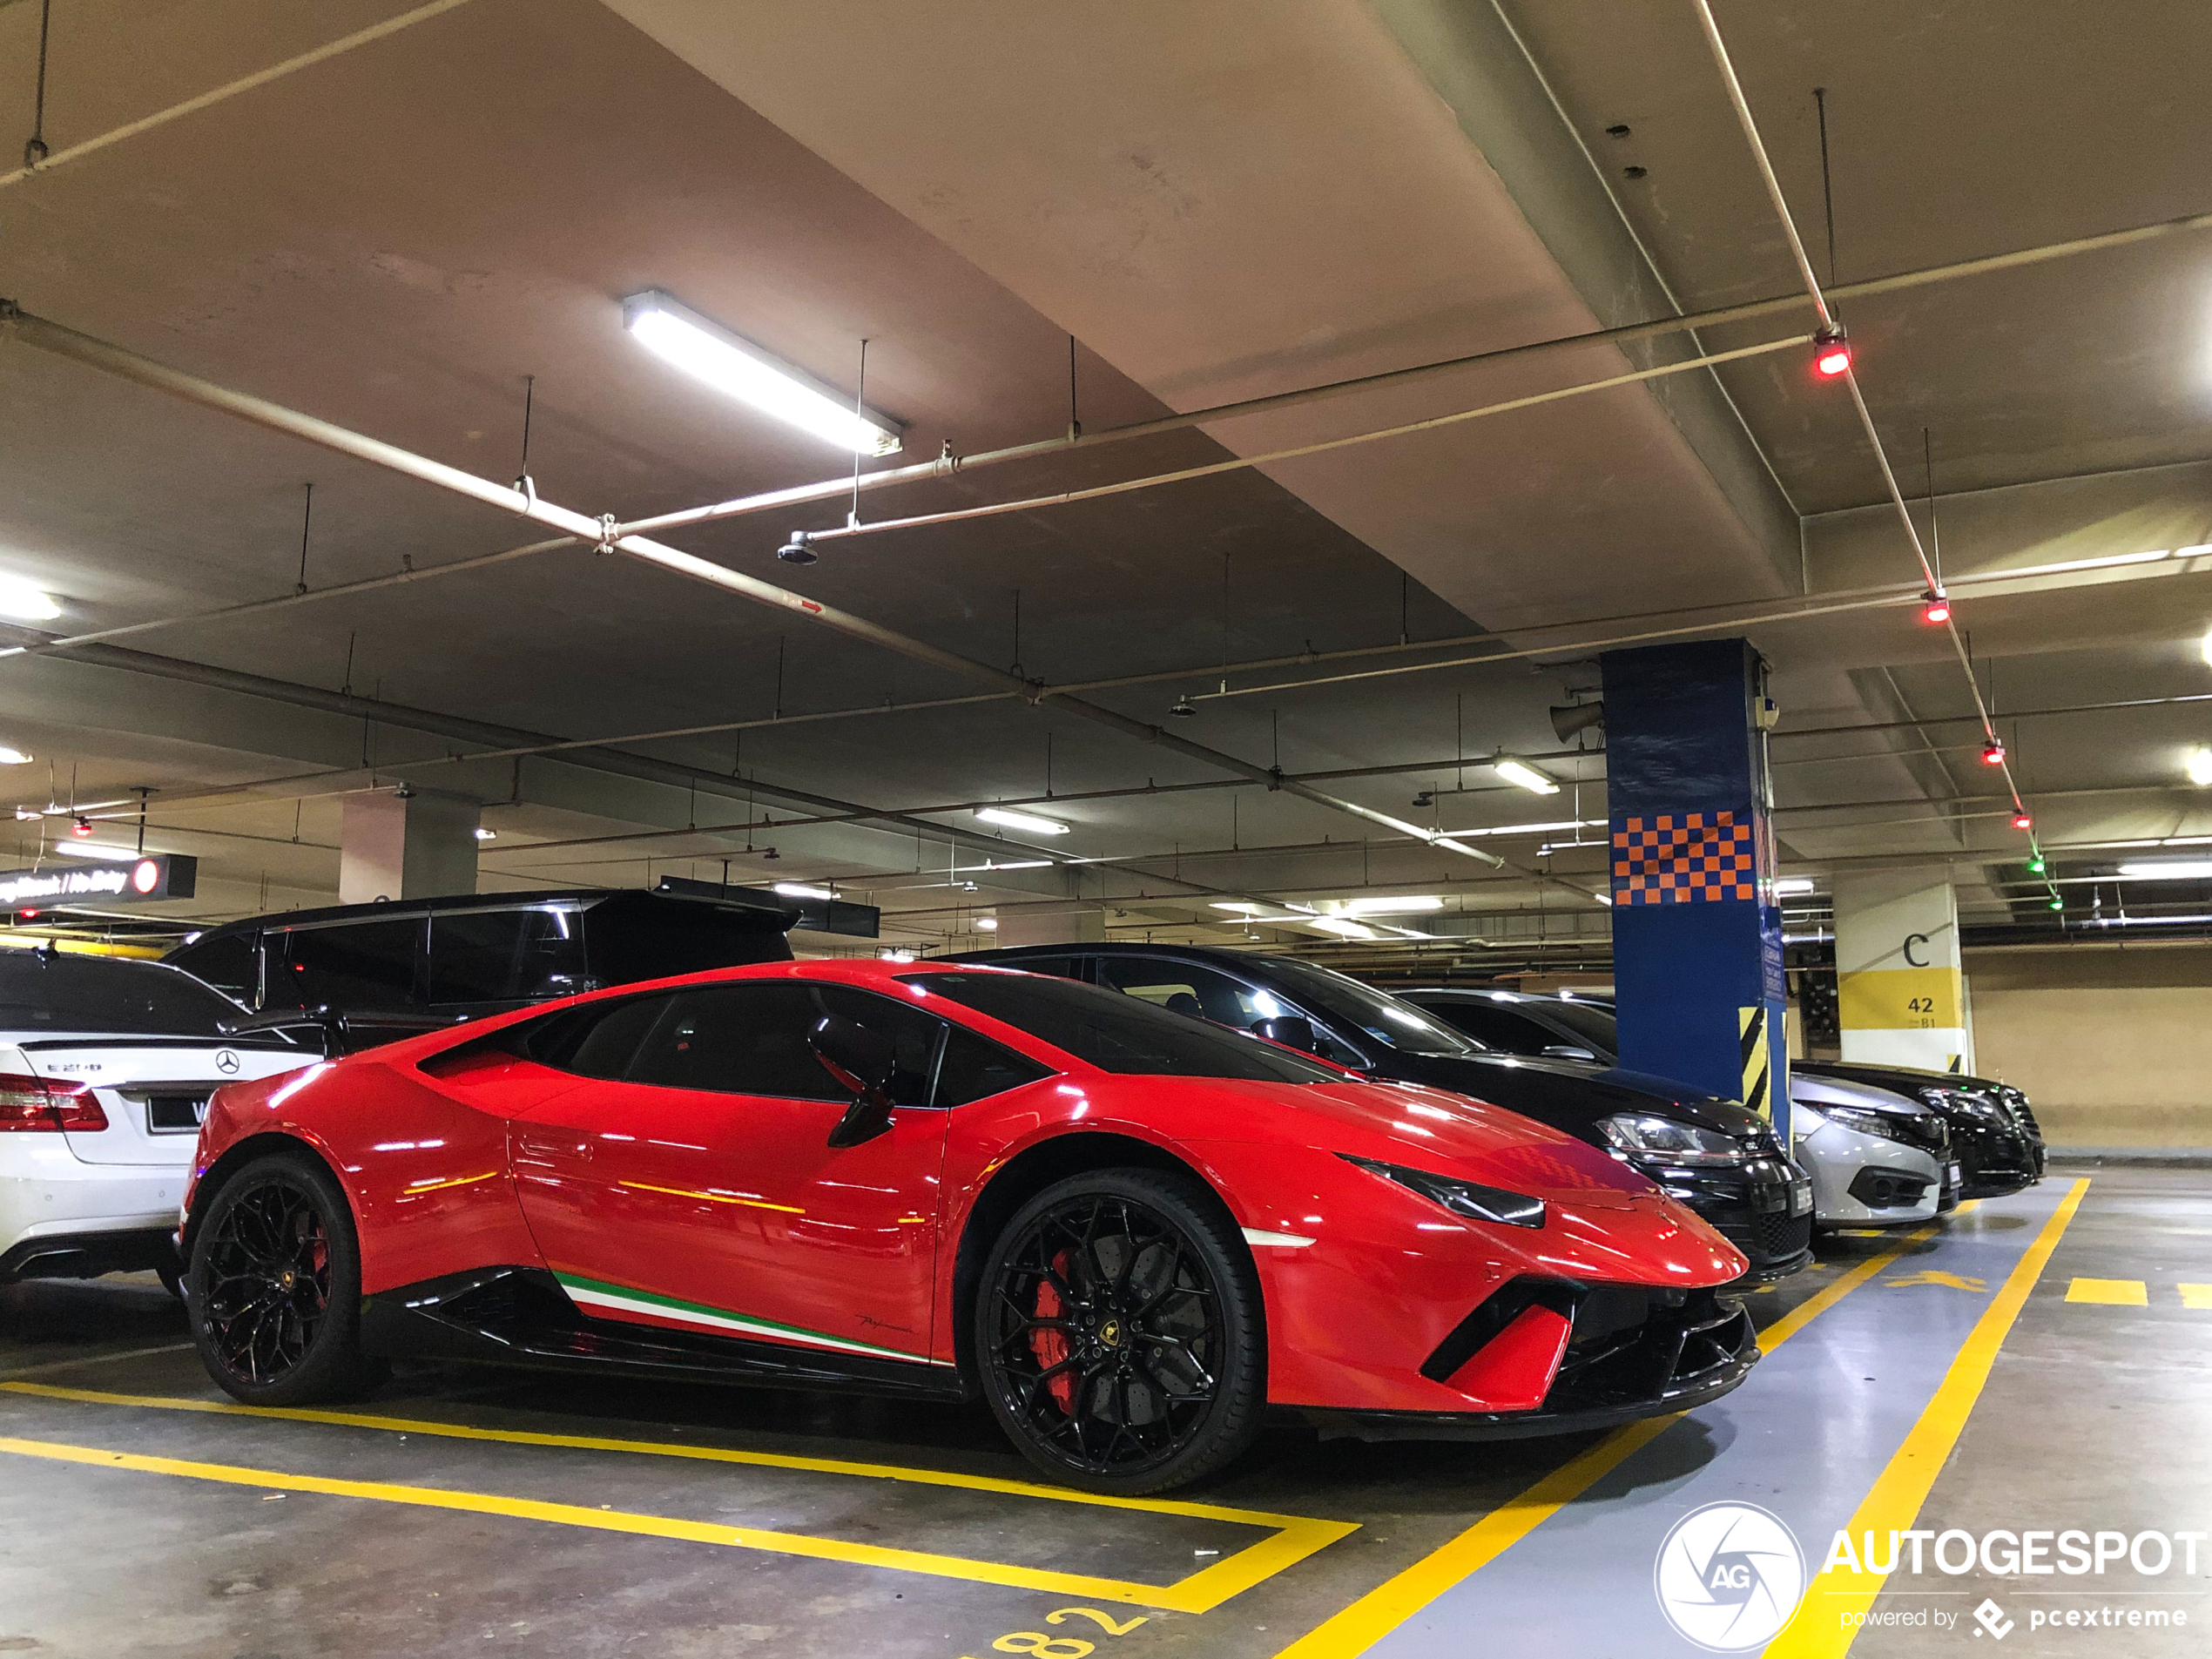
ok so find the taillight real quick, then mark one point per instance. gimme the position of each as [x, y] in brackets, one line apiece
[38, 1103]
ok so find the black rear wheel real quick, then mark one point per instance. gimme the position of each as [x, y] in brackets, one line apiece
[1119, 1332]
[275, 1287]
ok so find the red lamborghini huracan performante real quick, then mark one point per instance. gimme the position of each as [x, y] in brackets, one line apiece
[1134, 1233]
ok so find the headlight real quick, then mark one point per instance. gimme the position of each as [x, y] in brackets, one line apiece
[1959, 1100]
[1663, 1140]
[1467, 1198]
[1867, 1122]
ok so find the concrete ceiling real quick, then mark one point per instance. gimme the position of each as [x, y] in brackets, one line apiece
[1236, 202]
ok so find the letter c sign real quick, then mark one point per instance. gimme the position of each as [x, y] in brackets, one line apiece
[1911, 940]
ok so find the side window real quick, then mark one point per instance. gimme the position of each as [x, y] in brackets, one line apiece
[368, 965]
[1496, 1025]
[974, 1068]
[1185, 988]
[506, 955]
[753, 1040]
[599, 1039]
[232, 964]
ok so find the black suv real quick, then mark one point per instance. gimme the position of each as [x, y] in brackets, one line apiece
[372, 972]
[1994, 1136]
[1715, 1155]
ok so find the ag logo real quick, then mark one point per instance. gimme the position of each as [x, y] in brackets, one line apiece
[226, 1063]
[1728, 1577]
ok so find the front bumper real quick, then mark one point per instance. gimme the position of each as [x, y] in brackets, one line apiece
[1764, 1207]
[1672, 1360]
[1862, 1180]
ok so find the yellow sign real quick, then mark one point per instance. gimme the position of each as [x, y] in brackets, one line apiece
[1901, 998]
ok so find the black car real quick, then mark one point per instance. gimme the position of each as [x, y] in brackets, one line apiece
[1994, 1137]
[377, 972]
[1994, 1134]
[1715, 1155]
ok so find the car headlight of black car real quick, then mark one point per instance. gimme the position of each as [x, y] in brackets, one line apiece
[1645, 1139]
[1864, 1122]
[1973, 1105]
[1468, 1198]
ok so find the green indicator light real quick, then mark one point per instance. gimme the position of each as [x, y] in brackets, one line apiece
[2036, 865]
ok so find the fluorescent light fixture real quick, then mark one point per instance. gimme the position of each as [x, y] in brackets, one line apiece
[1339, 926]
[1520, 771]
[1238, 906]
[1793, 886]
[2206, 646]
[987, 924]
[13, 756]
[483, 834]
[96, 852]
[1029, 821]
[2173, 870]
[734, 366]
[1411, 906]
[1024, 864]
[800, 890]
[2199, 767]
[23, 601]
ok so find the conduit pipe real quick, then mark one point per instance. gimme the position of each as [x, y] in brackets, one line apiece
[51, 337]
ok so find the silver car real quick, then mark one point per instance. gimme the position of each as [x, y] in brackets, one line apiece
[1877, 1159]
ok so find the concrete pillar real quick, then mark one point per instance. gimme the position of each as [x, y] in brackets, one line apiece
[1077, 925]
[1901, 995]
[1697, 931]
[413, 846]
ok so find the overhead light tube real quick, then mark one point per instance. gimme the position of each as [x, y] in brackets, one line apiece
[1520, 771]
[1007, 818]
[801, 890]
[735, 366]
[21, 600]
[2198, 765]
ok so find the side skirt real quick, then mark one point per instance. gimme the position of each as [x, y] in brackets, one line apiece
[521, 1315]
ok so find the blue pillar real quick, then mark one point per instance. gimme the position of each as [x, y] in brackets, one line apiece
[1696, 930]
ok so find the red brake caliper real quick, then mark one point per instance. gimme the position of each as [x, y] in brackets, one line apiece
[1051, 1347]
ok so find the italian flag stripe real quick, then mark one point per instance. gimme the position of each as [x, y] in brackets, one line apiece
[621, 1299]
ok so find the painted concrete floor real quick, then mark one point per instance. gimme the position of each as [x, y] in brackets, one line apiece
[132, 1525]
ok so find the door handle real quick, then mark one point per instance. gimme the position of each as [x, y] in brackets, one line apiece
[542, 1146]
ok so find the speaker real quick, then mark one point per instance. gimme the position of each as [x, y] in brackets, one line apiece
[1569, 718]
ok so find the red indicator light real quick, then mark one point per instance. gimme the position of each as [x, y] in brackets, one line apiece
[1993, 753]
[1935, 606]
[2021, 820]
[82, 829]
[1831, 350]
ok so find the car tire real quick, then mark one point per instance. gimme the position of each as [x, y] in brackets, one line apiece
[274, 1287]
[1119, 1332]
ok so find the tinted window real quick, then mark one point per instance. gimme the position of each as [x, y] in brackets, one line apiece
[598, 1040]
[1118, 1033]
[362, 965]
[1495, 1025]
[1396, 1024]
[753, 1040]
[974, 1068]
[230, 963]
[506, 955]
[39, 992]
[1594, 1027]
[637, 938]
[1205, 993]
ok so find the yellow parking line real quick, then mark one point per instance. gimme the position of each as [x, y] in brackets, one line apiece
[1902, 1485]
[1374, 1615]
[1292, 1538]
[2110, 1293]
[2195, 1296]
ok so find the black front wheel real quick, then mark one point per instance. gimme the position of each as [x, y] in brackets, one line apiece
[1119, 1332]
[275, 1287]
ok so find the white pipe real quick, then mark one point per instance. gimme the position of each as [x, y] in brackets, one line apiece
[245, 83]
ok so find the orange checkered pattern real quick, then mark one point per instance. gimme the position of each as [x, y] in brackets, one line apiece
[1676, 857]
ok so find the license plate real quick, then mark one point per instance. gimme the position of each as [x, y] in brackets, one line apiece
[1801, 1198]
[1957, 1179]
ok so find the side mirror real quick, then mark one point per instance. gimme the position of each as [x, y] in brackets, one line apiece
[863, 1062]
[1291, 1030]
[1567, 1051]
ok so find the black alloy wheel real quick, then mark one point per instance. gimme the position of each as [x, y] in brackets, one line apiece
[274, 1287]
[1119, 1332]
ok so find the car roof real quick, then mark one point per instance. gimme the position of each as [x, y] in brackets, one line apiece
[406, 909]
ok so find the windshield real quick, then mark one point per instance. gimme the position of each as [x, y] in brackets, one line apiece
[43, 992]
[1118, 1033]
[1395, 1024]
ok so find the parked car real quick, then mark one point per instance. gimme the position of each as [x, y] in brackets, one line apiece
[1876, 1157]
[105, 1067]
[1714, 1155]
[1132, 1233]
[386, 970]
[1993, 1133]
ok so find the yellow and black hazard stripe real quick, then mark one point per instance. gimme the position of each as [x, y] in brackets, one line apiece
[1757, 1041]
